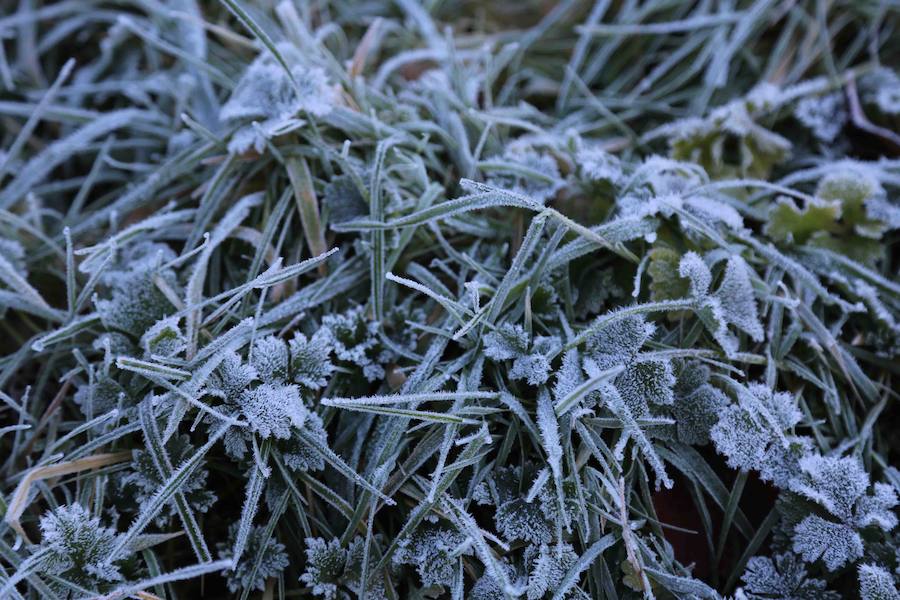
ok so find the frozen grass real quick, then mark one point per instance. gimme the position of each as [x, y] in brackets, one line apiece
[449, 299]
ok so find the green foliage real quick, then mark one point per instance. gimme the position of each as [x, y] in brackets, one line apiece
[402, 299]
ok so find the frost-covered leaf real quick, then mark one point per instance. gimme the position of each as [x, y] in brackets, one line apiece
[507, 342]
[692, 268]
[431, 551]
[548, 567]
[782, 577]
[136, 303]
[101, 396]
[834, 483]
[619, 342]
[646, 382]
[232, 377]
[839, 485]
[78, 546]
[298, 454]
[276, 100]
[273, 410]
[597, 164]
[733, 303]
[729, 142]
[755, 434]
[146, 480]
[311, 359]
[789, 223]
[825, 116]
[530, 359]
[835, 543]
[525, 171]
[520, 520]
[697, 404]
[325, 564]
[737, 297]
[272, 562]
[269, 358]
[164, 339]
[355, 340]
[665, 281]
[875, 583]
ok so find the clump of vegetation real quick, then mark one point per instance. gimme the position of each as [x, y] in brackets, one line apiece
[402, 299]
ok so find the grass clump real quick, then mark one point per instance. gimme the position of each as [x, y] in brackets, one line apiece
[449, 299]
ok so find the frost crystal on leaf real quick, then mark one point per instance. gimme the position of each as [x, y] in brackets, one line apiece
[136, 302]
[271, 557]
[548, 566]
[839, 485]
[232, 378]
[875, 583]
[824, 116]
[755, 434]
[733, 303]
[784, 578]
[697, 272]
[311, 359]
[325, 564]
[78, 546]
[146, 480]
[520, 520]
[530, 360]
[835, 543]
[298, 454]
[697, 404]
[275, 100]
[164, 339]
[431, 551]
[355, 340]
[599, 165]
[738, 301]
[273, 410]
[269, 358]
